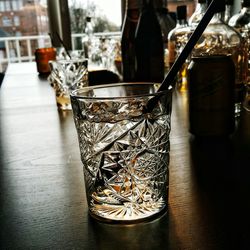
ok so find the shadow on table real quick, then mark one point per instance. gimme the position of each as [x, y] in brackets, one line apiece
[155, 234]
[102, 77]
[221, 175]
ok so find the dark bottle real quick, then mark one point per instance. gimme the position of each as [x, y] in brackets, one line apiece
[221, 39]
[211, 95]
[167, 24]
[128, 40]
[149, 46]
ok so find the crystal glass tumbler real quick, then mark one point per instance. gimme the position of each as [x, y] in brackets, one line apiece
[67, 75]
[124, 149]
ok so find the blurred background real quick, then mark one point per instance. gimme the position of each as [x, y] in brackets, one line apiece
[24, 24]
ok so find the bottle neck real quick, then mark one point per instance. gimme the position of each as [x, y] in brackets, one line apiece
[198, 14]
[132, 5]
[147, 7]
[217, 18]
[228, 13]
[200, 8]
[181, 23]
[132, 10]
[147, 3]
[89, 28]
[133, 15]
[245, 10]
[160, 4]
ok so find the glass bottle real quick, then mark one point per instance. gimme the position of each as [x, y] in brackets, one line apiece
[149, 45]
[228, 10]
[211, 96]
[88, 38]
[241, 22]
[199, 12]
[128, 40]
[221, 39]
[177, 39]
[167, 23]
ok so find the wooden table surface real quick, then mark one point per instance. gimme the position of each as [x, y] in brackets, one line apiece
[43, 202]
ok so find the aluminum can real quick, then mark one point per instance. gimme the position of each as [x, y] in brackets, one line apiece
[211, 83]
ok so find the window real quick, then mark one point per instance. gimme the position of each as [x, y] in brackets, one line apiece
[7, 6]
[16, 20]
[20, 4]
[15, 5]
[6, 21]
[2, 6]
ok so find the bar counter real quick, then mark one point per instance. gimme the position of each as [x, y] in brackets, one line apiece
[43, 202]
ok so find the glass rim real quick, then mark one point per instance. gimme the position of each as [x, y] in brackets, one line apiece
[64, 61]
[77, 92]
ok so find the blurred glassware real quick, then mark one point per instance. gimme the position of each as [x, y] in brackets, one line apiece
[102, 52]
[201, 7]
[88, 38]
[118, 57]
[177, 40]
[241, 22]
[62, 53]
[105, 53]
[67, 75]
[229, 10]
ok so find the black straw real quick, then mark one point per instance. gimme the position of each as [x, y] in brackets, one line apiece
[51, 39]
[170, 77]
[64, 46]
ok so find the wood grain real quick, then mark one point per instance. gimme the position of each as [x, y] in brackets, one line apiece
[43, 202]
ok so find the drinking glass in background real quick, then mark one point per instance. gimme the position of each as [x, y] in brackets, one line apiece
[67, 75]
[124, 149]
[105, 53]
[62, 53]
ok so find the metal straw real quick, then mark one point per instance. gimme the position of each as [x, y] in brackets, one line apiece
[170, 77]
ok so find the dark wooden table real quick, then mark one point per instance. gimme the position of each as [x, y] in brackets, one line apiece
[43, 203]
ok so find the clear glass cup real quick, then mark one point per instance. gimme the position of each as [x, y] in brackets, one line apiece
[70, 54]
[124, 149]
[67, 75]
